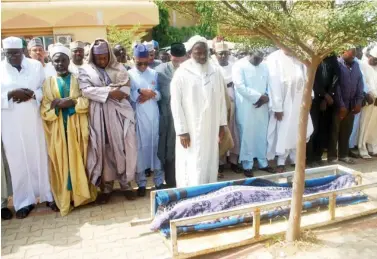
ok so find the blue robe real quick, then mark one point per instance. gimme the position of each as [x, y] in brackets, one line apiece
[250, 83]
[147, 119]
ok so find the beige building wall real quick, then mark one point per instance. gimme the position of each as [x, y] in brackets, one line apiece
[86, 34]
[83, 20]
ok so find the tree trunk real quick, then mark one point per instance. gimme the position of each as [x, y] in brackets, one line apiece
[293, 231]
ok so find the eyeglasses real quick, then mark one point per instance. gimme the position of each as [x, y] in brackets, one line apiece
[140, 64]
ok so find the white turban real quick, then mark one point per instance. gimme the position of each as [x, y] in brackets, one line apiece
[221, 46]
[149, 45]
[193, 40]
[60, 48]
[373, 52]
[12, 43]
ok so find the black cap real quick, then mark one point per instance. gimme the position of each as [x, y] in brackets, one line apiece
[177, 50]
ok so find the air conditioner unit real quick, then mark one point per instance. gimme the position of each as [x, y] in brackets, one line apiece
[64, 39]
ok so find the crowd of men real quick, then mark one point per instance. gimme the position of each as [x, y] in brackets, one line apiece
[91, 116]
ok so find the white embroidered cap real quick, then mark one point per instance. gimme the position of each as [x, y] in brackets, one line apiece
[12, 43]
[221, 46]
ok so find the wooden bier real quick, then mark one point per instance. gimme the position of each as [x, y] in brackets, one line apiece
[204, 242]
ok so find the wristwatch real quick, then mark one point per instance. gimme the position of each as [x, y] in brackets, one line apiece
[138, 91]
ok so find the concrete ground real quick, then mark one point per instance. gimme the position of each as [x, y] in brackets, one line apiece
[105, 232]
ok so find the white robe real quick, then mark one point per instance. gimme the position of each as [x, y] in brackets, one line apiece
[198, 108]
[74, 69]
[367, 135]
[287, 82]
[251, 82]
[147, 119]
[23, 136]
[49, 70]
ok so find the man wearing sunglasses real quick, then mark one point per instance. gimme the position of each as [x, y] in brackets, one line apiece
[145, 94]
[166, 145]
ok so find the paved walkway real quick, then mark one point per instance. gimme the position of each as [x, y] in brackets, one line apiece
[105, 232]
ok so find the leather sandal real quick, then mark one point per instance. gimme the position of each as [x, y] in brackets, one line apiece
[52, 205]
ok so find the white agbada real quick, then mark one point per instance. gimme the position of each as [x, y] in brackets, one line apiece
[74, 69]
[287, 82]
[23, 136]
[367, 140]
[198, 108]
[49, 70]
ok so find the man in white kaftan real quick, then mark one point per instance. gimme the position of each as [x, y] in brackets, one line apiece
[199, 113]
[144, 96]
[287, 82]
[222, 55]
[367, 140]
[251, 79]
[21, 128]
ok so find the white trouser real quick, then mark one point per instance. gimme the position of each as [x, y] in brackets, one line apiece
[292, 156]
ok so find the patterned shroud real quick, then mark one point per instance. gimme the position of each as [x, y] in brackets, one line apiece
[237, 195]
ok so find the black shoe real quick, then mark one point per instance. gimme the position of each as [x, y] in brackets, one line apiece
[130, 195]
[24, 212]
[161, 187]
[221, 168]
[141, 191]
[52, 205]
[103, 198]
[248, 173]
[148, 173]
[236, 169]
[6, 214]
[268, 169]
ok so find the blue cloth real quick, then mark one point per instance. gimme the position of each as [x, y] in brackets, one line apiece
[248, 219]
[164, 197]
[356, 122]
[147, 120]
[158, 178]
[248, 165]
[250, 83]
[140, 51]
[64, 85]
[350, 87]
[232, 196]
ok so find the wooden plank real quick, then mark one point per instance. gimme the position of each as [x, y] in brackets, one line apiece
[256, 222]
[138, 222]
[332, 206]
[153, 204]
[211, 241]
[173, 238]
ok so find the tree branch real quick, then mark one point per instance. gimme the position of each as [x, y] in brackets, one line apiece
[283, 5]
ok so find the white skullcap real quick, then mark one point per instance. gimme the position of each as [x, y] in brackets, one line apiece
[373, 52]
[60, 48]
[149, 45]
[193, 40]
[12, 43]
[221, 46]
